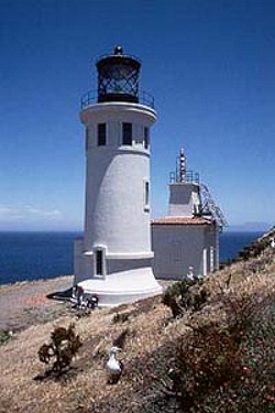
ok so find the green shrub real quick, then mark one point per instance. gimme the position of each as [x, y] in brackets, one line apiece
[185, 295]
[5, 336]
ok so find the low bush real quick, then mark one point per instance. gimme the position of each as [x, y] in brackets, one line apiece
[253, 250]
[206, 359]
[63, 347]
[185, 295]
[227, 366]
[121, 317]
[5, 336]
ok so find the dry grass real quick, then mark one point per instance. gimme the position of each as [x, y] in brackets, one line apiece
[85, 385]
[151, 343]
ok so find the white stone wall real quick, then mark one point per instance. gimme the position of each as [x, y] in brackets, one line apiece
[177, 247]
[116, 215]
[184, 199]
[117, 218]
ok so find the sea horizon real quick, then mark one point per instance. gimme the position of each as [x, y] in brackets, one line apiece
[35, 255]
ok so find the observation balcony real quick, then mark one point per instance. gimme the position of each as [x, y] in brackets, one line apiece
[189, 177]
[91, 97]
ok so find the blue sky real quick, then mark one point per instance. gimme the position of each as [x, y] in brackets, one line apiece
[210, 65]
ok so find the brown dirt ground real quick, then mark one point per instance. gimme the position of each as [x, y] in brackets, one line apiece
[25, 304]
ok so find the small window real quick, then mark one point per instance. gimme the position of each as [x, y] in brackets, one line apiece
[99, 262]
[146, 196]
[87, 139]
[126, 133]
[146, 138]
[101, 134]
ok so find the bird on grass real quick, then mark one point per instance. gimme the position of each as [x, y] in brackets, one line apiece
[114, 366]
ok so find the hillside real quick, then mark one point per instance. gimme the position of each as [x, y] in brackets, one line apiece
[221, 350]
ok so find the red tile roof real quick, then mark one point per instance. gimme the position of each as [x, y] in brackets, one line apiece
[171, 220]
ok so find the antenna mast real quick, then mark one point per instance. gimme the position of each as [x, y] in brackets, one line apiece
[181, 172]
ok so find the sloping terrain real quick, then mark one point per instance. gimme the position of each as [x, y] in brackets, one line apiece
[217, 357]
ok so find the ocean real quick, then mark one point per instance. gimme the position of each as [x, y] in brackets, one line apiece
[36, 255]
[231, 243]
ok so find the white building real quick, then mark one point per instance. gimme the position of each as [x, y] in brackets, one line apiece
[187, 240]
[114, 258]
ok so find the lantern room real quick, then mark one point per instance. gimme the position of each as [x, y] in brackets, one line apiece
[118, 77]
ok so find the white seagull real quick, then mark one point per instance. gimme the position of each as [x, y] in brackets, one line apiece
[114, 366]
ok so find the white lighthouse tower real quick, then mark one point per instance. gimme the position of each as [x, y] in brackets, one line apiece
[113, 259]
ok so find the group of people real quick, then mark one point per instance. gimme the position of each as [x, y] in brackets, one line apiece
[81, 300]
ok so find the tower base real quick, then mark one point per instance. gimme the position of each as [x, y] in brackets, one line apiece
[123, 287]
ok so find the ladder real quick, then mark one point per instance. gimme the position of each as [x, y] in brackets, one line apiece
[209, 207]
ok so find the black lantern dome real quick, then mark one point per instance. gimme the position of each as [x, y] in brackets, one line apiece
[118, 77]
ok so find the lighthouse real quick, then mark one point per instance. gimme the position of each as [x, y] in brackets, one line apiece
[113, 260]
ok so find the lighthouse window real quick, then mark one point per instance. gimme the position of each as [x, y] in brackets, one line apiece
[99, 262]
[126, 133]
[146, 138]
[87, 139]
[101, 134]
[146, 195]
